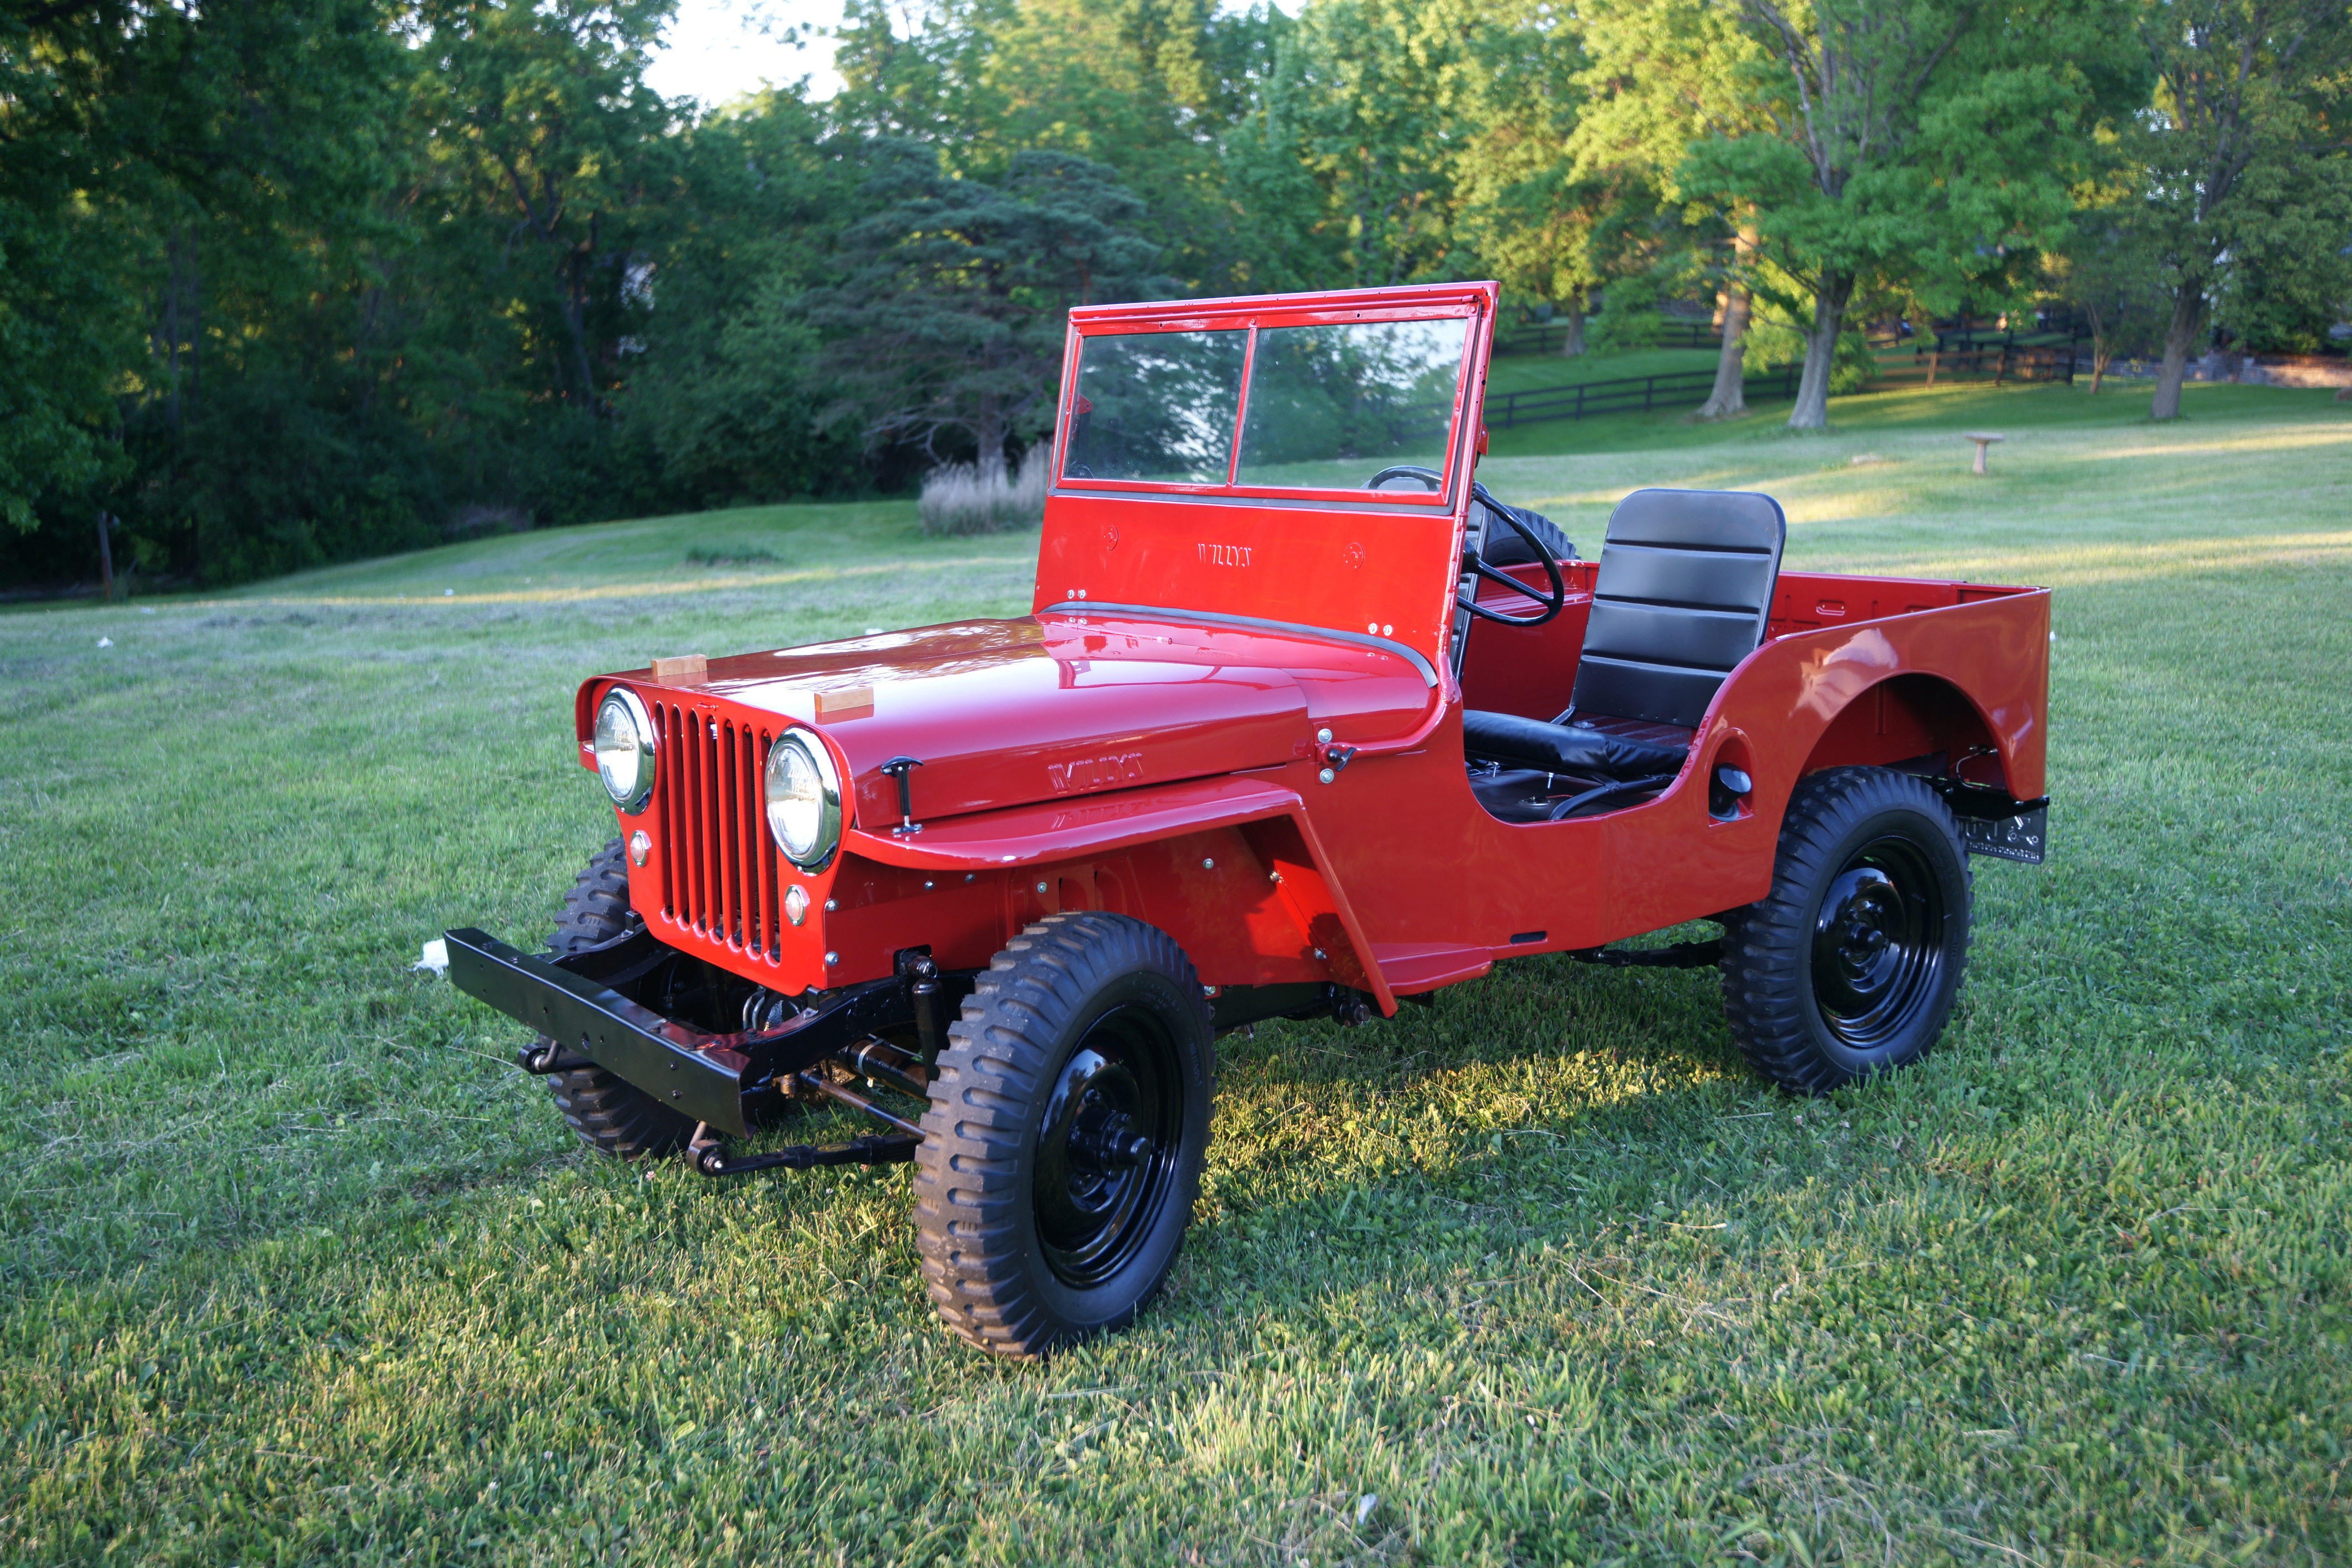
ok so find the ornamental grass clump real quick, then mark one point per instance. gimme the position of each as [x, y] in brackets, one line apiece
[958, 498]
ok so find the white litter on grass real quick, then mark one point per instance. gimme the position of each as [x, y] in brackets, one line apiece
[143, 609]
[874, 630]
[106, 642]
[1364, 1507]
[435, 960]
[448, 594]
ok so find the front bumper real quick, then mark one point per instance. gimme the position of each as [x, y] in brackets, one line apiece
[713, 1078]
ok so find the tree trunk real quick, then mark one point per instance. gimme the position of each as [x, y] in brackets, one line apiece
[1729, 398]
[2180, 335]
[1812, 410]
[1573, 344]
[990, 432]
[575, 312]
[105, 557]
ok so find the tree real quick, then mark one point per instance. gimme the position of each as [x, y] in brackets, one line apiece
[2245, 159]
[948, 322]
[723, 392]
[1369, 100]
[1666, 74]
[1925, 143]
[1538, 222]
[550, 98]
[2106, 275]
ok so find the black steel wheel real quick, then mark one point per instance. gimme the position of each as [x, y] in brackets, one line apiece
[1850, 966]
[1061, 1151]
[611, 1114]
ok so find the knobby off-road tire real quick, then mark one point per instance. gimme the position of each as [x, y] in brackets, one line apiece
[1850, 966]
[1062, 1152]
[612, 1115]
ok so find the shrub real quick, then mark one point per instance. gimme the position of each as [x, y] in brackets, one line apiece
[958, 500]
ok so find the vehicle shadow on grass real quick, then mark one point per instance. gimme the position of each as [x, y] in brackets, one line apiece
[1548, 1100]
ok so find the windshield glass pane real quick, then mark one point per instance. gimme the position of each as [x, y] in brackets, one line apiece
[1330, 407]
[1158, 406]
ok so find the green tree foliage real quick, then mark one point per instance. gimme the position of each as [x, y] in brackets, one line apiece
[286, 281]
[1547, 223]
[1664, 75]
[1931, 143]
[2247, 158]
[948, 322]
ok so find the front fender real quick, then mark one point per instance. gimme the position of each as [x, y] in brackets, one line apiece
[1051, 832]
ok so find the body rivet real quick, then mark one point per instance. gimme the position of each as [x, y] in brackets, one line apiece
[1323, 738]
[831, 904]
[832, 959]
[1327, 776]
[1208, 865]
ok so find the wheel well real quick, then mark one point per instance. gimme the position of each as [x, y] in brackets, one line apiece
[1907, 718]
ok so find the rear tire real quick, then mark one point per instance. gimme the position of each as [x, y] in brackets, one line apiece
[611, 1114]
[1062, 1152]
[1850, 966]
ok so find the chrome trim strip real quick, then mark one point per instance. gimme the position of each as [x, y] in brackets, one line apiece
[1252, 623]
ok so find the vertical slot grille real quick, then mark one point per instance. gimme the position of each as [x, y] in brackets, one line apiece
[718, 876]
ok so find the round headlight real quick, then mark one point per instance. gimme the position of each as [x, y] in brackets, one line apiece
[803, 800]
[624, 749]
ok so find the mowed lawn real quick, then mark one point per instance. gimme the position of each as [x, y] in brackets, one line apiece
[298, 1267]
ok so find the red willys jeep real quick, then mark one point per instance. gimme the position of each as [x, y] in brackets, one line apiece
[1303, 723]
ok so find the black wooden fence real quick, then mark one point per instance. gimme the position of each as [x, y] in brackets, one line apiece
[1957, 352]
[1628, 394]
[1550, 336]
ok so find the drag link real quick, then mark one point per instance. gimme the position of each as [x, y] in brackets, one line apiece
[817, 1083]
[710, 1159]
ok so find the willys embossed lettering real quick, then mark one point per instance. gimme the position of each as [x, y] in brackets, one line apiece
[1094, 772]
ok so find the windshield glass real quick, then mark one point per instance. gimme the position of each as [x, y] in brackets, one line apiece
[1157, 406]
[1329, 405]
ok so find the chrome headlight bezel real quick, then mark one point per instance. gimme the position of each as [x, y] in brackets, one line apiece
[775, 774]
[631, 709]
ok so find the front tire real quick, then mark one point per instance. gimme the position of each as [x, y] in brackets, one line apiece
[1062, 1152]
[1850, 966]
[611, 1114]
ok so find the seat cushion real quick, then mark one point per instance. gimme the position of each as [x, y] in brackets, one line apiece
[1516, 742]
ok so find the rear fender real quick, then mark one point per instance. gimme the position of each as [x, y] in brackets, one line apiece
[1907, 717]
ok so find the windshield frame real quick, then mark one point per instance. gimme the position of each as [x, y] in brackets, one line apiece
[1470, 303]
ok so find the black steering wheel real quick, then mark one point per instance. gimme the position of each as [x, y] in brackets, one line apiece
[1553, 602]
[1429, 477]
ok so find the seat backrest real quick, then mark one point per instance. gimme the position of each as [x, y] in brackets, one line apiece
[1683, 594]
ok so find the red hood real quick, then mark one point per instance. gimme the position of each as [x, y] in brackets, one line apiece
[1003, 713]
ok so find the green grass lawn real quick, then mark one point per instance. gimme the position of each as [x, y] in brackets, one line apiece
[297, 1269]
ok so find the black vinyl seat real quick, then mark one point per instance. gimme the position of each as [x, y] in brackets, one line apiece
[1682, 595]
